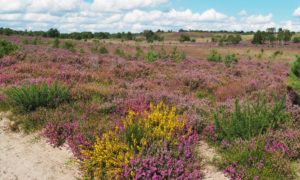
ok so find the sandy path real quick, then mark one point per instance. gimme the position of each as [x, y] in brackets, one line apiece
[208, 154]
[30, 157]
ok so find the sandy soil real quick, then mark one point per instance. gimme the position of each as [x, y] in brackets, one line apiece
[208, 154]
[30, 157]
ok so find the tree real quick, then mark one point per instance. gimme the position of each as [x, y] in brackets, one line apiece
[151, 36]
[258, 38]
[54, 33]
[184, 38]
[284, 36]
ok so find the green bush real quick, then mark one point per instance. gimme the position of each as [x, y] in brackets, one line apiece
[276, 53]
[296, 67]
[7, 48]
[249, 159]
[139, 52]
[30, 97]
[214, 56]
[230, 58]
[69, 45]
[296, 39]
[103, 50]
[120, 52]
[56, 43]
[177, 56]
[152, 56]
[184, 38]
[133, 135]
[249, 119]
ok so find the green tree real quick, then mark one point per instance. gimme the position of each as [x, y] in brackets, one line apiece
[54, 33]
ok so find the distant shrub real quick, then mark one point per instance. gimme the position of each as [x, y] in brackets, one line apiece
[214, 56]
[25, 41]
[56, 43]
[249, 119]
[184, 38]
[30, 97]
[277, 53]
[69, 45]
[296, 67]
[151, 36]
[177, 56]
[139, 52]
[36, 41]
[7, 48]
[103, 50]
[230, 58]
[152, 56]
[296, 39]
[230, 39]
[120, 52]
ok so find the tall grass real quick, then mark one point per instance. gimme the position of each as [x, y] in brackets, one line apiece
[250, 119]
[30, 97]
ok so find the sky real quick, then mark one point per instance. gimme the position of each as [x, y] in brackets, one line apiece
[138, 15]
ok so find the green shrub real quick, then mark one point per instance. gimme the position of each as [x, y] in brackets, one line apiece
[56, 43]
[230, 58]
[152, 56]
[177, 56]
[120, 52]
[7, 48]
[296, 39]
[277, 53]
[249, 160]
[296, 67]
[214, 56]
[139, 52]
[103, 50]
[184, 38]
[69, 45]
[30, 97]
[36, 41]
[249, 119]
[133, 136]
[25, 41]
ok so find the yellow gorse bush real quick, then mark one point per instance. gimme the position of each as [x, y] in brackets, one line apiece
[115, 149]
[107, 158]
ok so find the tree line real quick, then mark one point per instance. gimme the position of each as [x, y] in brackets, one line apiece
[271, 35]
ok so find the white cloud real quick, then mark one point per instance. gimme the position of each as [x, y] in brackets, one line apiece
[259, 19]
[54, 6]
[297, 12]
[243, 13]
[116, 5]
[12, 5]
[124, 15]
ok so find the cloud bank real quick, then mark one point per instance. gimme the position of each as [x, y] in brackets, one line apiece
[125, 15]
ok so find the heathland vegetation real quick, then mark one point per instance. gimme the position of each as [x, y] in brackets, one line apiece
[136, 105]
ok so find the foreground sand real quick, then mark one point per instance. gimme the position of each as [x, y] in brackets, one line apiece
[30, 157]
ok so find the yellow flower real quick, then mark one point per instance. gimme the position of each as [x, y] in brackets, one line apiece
[107, 157]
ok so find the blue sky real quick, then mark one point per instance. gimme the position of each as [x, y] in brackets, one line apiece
[281, 9]
[137, 15]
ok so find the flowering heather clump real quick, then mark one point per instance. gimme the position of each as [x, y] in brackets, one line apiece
[250, 160]
[285, 142]
[210, 132]
[137, 148]
[69, 132]
[58, 133]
